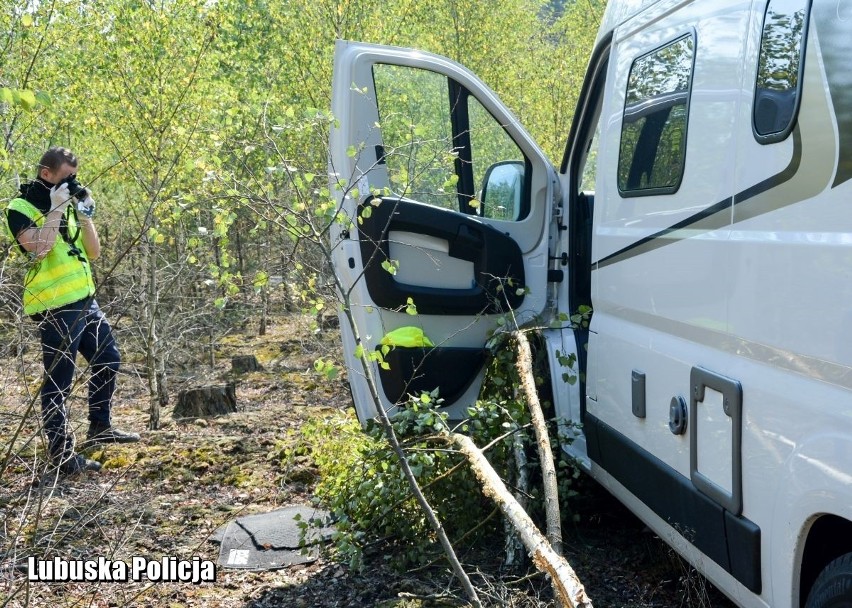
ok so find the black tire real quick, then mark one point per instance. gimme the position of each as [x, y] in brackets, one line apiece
[833, 586]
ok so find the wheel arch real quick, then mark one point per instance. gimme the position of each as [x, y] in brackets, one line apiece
[828, 537]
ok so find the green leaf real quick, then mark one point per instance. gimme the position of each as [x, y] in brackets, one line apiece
[6, 95]
[351, 151]
[27, 20]
[27, 99]
[390, 266]
[570, 379]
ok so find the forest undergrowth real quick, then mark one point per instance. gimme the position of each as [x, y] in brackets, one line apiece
[168, 494]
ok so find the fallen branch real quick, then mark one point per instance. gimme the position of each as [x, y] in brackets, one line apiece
[548, 469]
[568, 589]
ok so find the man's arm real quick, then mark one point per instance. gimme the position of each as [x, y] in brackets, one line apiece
[91, 242]
[39, 241]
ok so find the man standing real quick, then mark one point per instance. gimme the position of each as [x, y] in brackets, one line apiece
[51, 221]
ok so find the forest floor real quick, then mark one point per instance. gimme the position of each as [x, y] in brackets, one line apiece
[166, 495]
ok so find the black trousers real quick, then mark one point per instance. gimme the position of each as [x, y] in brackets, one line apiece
[65, 331]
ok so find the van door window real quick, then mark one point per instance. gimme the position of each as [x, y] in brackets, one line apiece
[653, 132]
[779, 69]
[441, 146]
[414, 113]
[492, 151]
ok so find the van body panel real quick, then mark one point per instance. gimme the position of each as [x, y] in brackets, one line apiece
[714, 382]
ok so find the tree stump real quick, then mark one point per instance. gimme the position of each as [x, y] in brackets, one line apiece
[326, 322]
[206, 401]
[244, 364]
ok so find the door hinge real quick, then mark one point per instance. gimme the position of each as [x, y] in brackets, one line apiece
[558, 213]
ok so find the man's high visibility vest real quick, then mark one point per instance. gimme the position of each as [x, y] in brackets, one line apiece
[61, 277]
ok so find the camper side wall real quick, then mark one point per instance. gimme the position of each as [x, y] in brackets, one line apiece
[721, 282]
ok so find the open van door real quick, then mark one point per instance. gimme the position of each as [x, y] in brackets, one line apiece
[446, 218]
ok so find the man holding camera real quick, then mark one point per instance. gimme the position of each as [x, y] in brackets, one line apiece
[51, 222]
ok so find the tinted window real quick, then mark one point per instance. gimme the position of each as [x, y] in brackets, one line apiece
[653, 131]
[776, 94]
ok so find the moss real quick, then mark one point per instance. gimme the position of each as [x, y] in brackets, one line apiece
[118, 461]
[236, 476]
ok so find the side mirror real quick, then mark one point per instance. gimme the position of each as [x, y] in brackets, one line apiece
[502, 189]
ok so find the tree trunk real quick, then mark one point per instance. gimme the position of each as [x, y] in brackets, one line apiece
[162, 382]
[211, 346]
[548, 468]
[264, 310]
[239, 243]
[567, 588]
[149, 315]
[514, 546]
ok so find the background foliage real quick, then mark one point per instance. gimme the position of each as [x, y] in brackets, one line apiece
[201, 130]
[202, 126]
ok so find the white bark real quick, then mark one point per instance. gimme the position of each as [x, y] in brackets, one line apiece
[567, 587]
[548, 468]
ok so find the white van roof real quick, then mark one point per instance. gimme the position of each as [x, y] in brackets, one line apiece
[618, 11]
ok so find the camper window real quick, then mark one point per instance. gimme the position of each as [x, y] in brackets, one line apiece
[653, 129]
[776, 93]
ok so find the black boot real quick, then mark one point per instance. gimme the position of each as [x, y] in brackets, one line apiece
[78, 464]
[109, 434]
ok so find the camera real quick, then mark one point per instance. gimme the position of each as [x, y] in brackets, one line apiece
[75, 188]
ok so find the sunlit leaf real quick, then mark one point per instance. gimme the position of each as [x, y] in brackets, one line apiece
[43, 99]
[27, 99]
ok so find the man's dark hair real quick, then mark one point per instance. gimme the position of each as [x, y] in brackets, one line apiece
[55, 157]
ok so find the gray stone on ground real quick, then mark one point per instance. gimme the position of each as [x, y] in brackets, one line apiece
[268, 541]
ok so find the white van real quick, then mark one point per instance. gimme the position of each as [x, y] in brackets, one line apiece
[703, 209]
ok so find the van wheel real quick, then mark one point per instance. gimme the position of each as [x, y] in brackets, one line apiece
[833, 586]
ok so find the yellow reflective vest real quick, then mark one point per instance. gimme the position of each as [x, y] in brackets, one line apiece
[61, 277]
